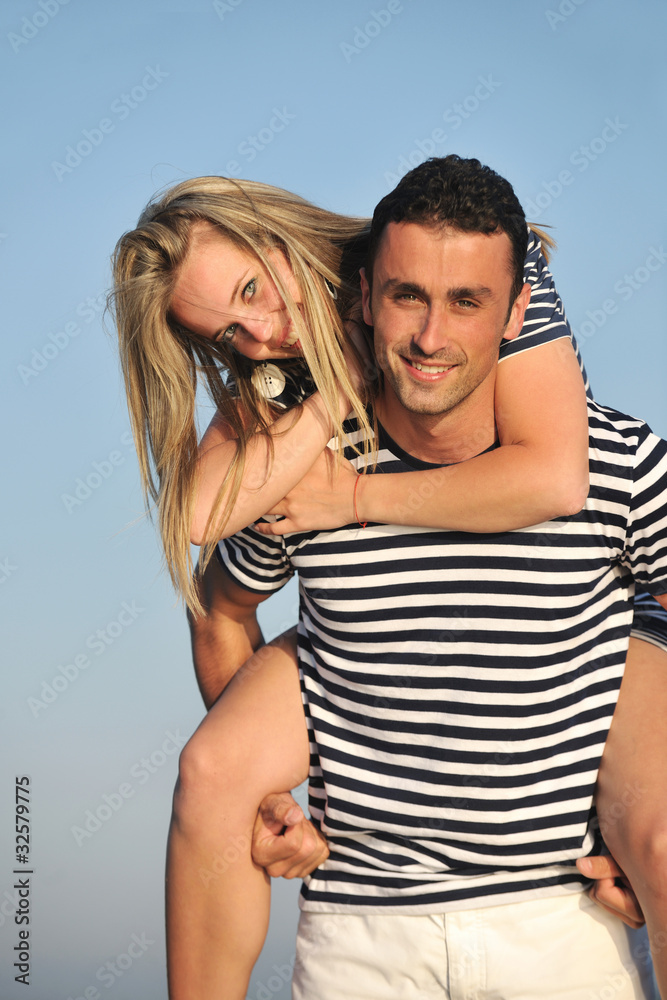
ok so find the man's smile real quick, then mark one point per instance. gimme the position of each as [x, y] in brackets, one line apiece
[425, 370]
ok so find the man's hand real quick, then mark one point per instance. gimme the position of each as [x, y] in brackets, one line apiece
[284, 842]
[611, 890]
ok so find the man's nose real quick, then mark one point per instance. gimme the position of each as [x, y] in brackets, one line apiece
[432, 334]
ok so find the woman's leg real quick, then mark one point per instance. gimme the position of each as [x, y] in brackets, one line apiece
[632, 790]
[253, 741]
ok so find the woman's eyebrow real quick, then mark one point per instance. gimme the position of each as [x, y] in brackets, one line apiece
[239, 283]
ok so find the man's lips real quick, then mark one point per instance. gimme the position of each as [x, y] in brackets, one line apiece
[427, 372]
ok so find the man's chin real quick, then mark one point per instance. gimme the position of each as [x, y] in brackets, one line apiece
[423, 402]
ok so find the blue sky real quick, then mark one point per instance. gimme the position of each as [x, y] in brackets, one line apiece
[105, 103]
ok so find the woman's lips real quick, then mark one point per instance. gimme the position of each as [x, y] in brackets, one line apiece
[288, 337]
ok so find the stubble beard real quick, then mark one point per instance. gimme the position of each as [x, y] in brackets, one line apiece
[428, 400]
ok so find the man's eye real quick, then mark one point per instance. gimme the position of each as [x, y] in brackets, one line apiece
[228, 334]
[250, 289]
[467, 304]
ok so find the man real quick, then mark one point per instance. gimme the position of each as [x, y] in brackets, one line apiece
[460, 687]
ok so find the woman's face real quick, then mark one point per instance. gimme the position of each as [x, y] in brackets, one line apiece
[225, 294]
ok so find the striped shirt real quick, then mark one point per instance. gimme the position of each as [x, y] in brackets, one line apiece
[459, 687]
[545, 319]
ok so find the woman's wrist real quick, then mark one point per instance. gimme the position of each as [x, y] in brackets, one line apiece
[356, 501]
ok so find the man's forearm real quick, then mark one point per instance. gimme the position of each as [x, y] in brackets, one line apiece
[226, 635]
[220, 645]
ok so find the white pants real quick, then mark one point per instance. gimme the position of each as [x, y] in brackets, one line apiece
[563, 947]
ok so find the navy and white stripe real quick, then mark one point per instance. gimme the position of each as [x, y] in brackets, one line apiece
[459, 687]
[545, 319]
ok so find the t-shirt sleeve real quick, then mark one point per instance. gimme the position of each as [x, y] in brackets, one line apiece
[545, 319]
[646, 540]
[257, 562]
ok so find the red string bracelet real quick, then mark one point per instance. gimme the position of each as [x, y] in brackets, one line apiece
[354, 496]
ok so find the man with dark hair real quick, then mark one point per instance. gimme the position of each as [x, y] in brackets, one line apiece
[459, 194]
[459, 687]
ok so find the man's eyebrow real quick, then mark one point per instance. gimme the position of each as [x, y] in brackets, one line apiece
[470, 292]
[395, 285]
[404, 287]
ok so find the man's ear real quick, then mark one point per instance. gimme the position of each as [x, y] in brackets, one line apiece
[515, 322]
[365, 298]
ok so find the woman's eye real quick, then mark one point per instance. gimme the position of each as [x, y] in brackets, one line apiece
[228, 335]
[250, 289]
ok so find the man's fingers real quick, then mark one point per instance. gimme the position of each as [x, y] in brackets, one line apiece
[276, 849]
[288, 869]
[619, 901]
[284, 842]
[611, 889]
[278, 810]
[602, 866]
[310, 852]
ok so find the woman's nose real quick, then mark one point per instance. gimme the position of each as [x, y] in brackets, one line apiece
[260, 328]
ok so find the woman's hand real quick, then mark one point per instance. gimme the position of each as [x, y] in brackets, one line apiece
[324, 499]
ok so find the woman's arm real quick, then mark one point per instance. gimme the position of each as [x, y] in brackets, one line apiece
[298, 439]
[541, 469]
[271, 467]
[539, 472]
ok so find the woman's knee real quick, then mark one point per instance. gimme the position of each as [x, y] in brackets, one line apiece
[209, 773]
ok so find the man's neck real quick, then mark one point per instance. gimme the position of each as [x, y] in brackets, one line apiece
[445, 439]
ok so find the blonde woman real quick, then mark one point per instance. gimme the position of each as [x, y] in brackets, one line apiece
[218, 272]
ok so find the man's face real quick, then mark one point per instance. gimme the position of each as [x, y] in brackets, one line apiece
[439, 307]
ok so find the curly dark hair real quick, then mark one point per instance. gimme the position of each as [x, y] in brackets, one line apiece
[463, 194]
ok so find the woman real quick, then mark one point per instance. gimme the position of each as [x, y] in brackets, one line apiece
[218, 263]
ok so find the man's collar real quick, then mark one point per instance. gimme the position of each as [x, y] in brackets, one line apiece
[442, 440]
[385, 441]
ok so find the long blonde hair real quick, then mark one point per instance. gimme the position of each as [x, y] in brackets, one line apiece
[162, 362]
